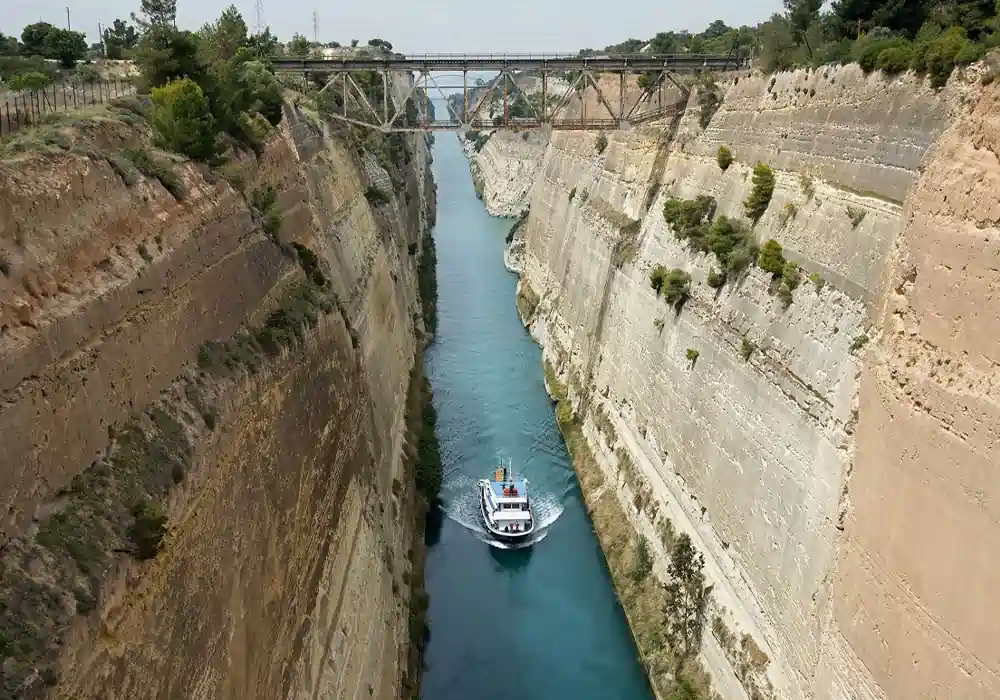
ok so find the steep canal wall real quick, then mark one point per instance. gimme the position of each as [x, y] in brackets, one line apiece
[815, 441]
[211, 401]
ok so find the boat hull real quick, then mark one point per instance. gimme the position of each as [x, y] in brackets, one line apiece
[500, 535]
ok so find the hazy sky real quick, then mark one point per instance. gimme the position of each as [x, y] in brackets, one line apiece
[427, 25]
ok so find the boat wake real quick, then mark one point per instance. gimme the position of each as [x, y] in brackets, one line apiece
[463, 507]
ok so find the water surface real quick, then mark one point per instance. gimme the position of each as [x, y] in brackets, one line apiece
[507, 624]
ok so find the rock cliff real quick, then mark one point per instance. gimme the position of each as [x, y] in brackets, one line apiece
[210, 396]
[812, 452]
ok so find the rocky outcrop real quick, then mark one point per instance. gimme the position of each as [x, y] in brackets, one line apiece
[735, 419]
[505, 169]
[208, 485]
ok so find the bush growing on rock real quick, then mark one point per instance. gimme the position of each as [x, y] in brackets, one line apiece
[770, 258]
[895, 59]
[689, 218]
[601, 143]
[724, 158]
[676, 287]
[760, 196]
[716, 279]
[182, 120]
[148, 529]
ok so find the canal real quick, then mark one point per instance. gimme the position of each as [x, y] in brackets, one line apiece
[507, 624]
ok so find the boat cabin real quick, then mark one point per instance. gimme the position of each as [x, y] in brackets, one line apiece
[507, 505]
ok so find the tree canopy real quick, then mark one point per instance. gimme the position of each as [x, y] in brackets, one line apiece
[119, 38]
[63, 45]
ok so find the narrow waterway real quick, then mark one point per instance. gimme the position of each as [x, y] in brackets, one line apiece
[535, 623]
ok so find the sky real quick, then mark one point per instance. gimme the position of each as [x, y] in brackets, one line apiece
[427, 26]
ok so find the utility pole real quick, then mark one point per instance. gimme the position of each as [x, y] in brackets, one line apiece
[68, 27]
[100, 36]
[259, 19]
[315, 26]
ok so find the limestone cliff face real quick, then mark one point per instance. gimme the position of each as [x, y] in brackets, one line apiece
[917, 567]
[750, 448]
[179, 356]
[505, 171]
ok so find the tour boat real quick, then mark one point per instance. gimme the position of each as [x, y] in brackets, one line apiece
[506, 508]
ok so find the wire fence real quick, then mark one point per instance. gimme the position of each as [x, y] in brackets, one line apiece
[22, 109]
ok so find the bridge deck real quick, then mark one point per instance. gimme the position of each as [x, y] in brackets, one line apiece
[552, 62]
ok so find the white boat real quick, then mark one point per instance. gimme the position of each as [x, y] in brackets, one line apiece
[505, 506]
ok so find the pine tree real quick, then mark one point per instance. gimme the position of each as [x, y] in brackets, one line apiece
[157, 13]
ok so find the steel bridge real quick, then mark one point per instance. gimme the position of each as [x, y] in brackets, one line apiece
[353, 89]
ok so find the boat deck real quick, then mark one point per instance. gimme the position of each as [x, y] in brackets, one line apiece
[497, 486]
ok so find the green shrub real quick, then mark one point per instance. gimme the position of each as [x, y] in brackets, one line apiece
[181, 119]
[375, 196]
[770, 258]
[788, 212]
[691, 354]
[676, 287]
[31, 80]
[87, 74]
[746, 348]
[601, 143]
[724, 158]
[689, 219]
[806, 183]
[656, 278]
[867, 52]
[148, 529]
[760, 196]
[856, 215]
[859, 342]
[716, 279]
[642, 565]
[262, 205]
[895, 59]
[817, 281]
[790, 275]
[939, 53]
[572, 193]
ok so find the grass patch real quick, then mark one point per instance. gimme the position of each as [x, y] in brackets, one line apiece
[156, 169]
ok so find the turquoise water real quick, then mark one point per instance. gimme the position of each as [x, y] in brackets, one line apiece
[507, 624]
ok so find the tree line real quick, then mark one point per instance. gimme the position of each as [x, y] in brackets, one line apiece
[928, 36]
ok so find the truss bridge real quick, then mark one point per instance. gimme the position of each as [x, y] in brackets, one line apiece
[527, 91]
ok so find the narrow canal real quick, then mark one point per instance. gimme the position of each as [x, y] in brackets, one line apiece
[535, 623]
